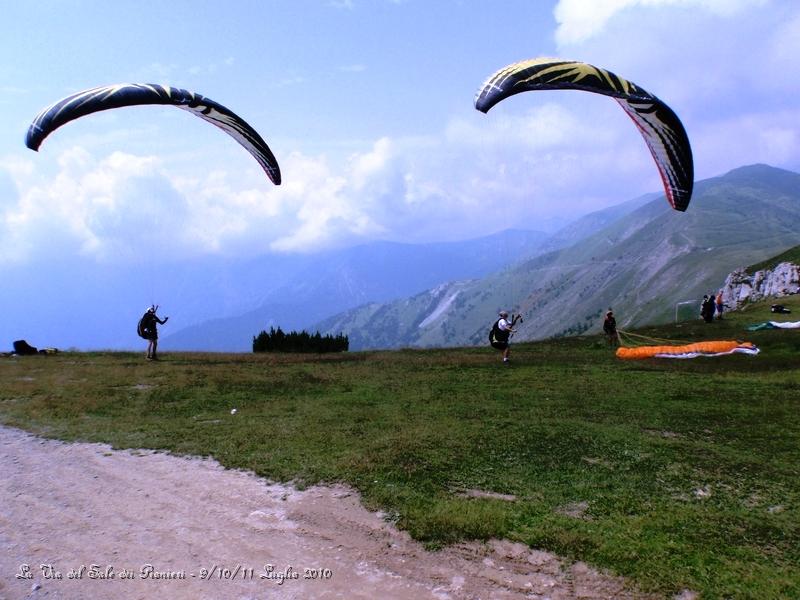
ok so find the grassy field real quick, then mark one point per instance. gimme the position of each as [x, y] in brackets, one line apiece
[676, 474]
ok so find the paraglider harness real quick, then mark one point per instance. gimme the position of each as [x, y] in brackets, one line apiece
[499, 338]
[147, 323]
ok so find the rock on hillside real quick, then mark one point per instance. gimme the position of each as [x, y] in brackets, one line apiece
[741, 287]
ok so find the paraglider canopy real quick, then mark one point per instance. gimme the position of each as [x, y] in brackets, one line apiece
[658, 124]
[707, 349]
[133, 94]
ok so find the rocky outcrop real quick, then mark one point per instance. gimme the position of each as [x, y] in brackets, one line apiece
[741, 287]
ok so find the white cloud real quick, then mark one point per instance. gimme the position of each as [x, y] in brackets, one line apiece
[756, 137]
[723, 66]
[480, 174]
[123, 207]
[579, 20]
[17, 167]
[364, 167]
[115, 209]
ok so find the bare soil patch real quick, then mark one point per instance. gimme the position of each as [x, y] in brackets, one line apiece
[208, 532]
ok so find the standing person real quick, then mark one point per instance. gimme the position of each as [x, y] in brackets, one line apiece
[712, 307]
[500, 334]
[707, 309]
[720, 306]
[148, 329]
[610, 328]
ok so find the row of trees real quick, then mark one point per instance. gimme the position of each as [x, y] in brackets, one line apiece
[279, 341]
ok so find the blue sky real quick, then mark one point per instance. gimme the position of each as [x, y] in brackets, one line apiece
[367, 105]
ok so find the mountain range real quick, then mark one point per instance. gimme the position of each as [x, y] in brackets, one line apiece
[327, 284]
[643, 264]
[220, 303]
[639, 257]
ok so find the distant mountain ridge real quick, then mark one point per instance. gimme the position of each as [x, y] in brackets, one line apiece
[330, 283]
[335, 281]
[642, 265]
[219, 303]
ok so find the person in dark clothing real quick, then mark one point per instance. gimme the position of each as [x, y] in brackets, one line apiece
[704, 306]
[610, 329]
[707, 309]
[150, 331]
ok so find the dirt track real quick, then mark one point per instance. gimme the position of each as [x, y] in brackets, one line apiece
[77, 505]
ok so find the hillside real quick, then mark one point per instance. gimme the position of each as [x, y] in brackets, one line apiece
[792, 255]
[641, 265]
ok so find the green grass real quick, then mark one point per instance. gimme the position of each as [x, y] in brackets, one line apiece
[686, 474]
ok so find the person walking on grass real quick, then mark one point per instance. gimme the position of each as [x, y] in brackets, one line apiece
[500, 335]
[148, 329]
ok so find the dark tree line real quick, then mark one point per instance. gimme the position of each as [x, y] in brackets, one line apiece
[279, 341]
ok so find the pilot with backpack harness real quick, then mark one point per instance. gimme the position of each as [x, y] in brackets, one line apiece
[148, 330]
[501, 333]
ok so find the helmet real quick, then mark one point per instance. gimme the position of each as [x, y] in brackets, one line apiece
[503, 313]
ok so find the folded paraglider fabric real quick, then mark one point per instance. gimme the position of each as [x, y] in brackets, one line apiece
[712, 348]
[775, 325]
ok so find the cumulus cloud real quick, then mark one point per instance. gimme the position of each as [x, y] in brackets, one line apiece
[88, 207]
[721, 65]
[579, 20]
[481, 174]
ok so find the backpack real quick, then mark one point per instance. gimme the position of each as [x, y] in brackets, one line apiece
[496, 334]
[145, 325]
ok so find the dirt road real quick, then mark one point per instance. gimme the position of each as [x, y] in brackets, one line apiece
[82, 521]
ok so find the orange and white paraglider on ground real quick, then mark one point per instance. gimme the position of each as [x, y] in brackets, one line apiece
[709, 349]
